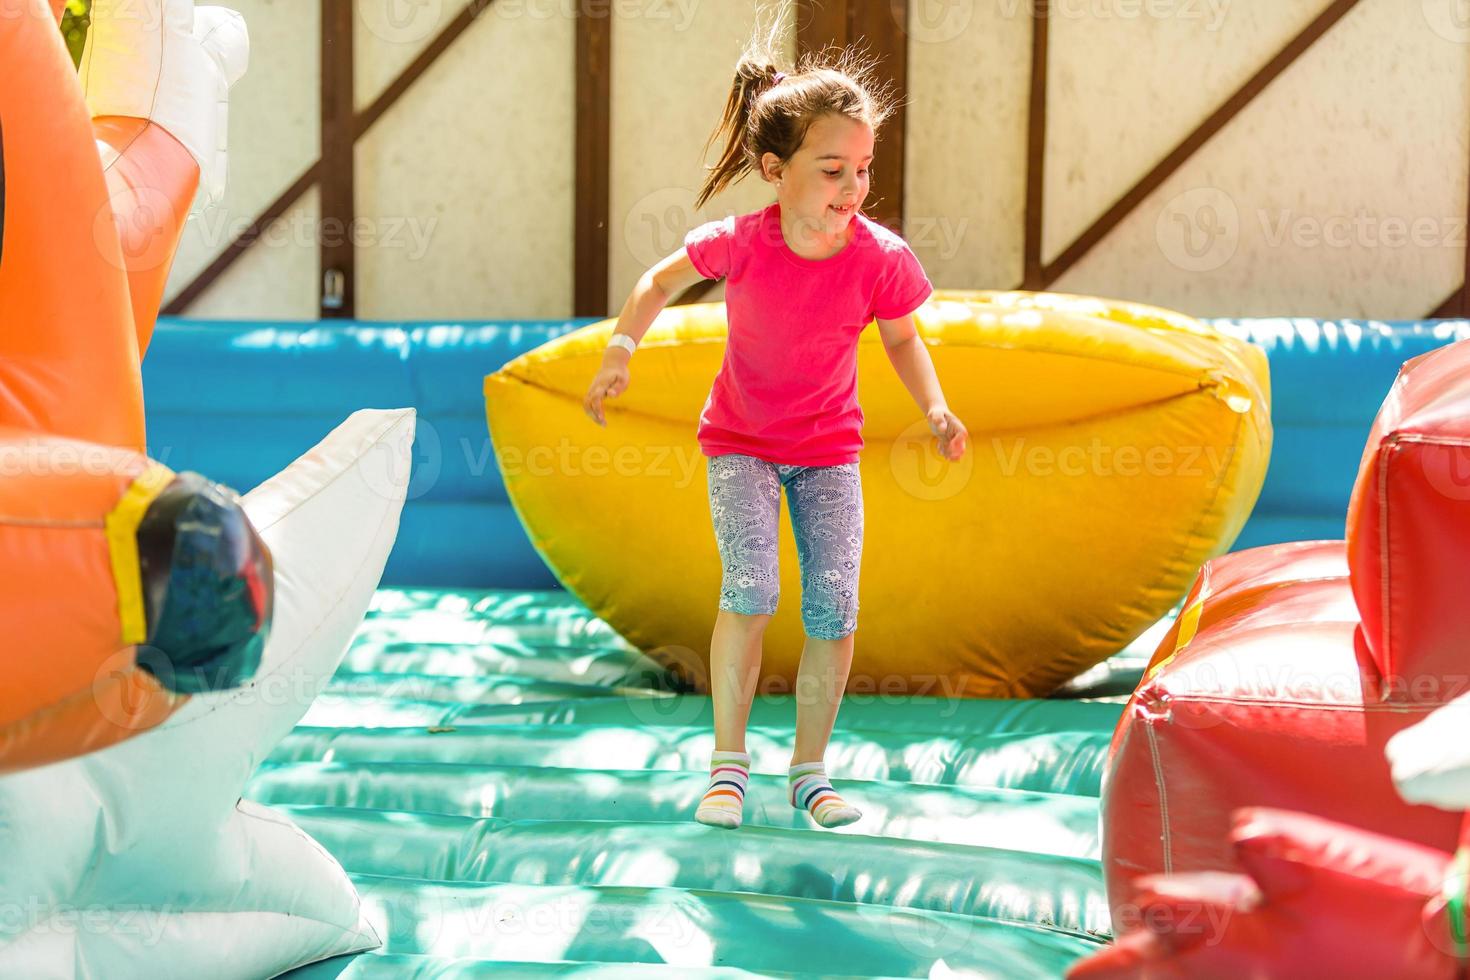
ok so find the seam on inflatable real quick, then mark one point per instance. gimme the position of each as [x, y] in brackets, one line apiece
[1383, 563]
[8, 521]
[1164, 837]
[40, 717]
[264, 813]
[1358, 708]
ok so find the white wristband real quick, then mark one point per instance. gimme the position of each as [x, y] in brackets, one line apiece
[624, 341]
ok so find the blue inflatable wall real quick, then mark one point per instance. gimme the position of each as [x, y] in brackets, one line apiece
[239, 401]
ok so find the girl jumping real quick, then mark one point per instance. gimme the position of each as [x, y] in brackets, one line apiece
[803, 277]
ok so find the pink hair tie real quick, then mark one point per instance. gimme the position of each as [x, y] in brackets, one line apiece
[779, 75]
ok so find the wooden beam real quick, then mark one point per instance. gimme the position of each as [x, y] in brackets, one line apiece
[884, 26]
[1176, 158]
[1462, 309]
[1454, 307]
[361, 123]
[1036, 150]
[336, 292]
[820, 23]
[592, 201]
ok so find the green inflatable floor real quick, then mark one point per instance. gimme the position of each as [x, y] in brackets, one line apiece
[511, 787]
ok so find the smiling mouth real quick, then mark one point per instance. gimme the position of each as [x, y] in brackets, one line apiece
[847, 210]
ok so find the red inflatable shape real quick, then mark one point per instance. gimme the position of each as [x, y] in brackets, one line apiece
[1319, 900]
[1292, 665]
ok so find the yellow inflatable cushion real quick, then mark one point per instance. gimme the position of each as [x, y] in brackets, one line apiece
[1114, 448]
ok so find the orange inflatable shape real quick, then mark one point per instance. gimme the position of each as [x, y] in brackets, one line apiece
[100, 640]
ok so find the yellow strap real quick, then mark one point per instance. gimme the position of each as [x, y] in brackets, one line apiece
[122, 541]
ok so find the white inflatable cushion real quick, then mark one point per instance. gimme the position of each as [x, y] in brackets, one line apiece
[1431, 761]
[141, 860]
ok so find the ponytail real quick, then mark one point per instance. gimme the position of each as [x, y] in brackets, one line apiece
[767, 112]
[754, 76]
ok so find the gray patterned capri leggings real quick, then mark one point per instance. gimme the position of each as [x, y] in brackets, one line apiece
[826, 519]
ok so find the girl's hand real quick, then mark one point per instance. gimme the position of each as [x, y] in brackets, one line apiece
[951, 432]
[611, 381]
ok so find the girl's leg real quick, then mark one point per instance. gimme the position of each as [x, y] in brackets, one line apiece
[745, 502]
[827, 518]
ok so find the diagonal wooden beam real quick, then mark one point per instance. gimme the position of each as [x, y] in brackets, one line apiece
[592, 203]
[1217, 121]
[1036, 149]
[361, 123]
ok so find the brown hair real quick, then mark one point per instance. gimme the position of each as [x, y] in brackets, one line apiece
[766, 113]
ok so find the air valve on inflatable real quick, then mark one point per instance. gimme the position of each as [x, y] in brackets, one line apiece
[207, 588]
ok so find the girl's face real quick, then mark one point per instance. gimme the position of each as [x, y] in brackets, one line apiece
[826, 181]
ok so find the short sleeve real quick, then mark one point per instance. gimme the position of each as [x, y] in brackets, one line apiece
[903, 288]
[709, 247]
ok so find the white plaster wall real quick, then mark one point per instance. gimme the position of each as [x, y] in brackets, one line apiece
[969, 77]
[465, 186]
[273, 140]
[276, 277]
[672, 66]
[1295, 208]
[1128, 83]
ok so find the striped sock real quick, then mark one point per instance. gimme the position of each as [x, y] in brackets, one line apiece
[725, 799]
[810, 791]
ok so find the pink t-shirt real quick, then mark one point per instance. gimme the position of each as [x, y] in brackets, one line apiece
[787, 390]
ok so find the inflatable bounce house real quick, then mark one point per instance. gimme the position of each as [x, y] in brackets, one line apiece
[412, 708]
